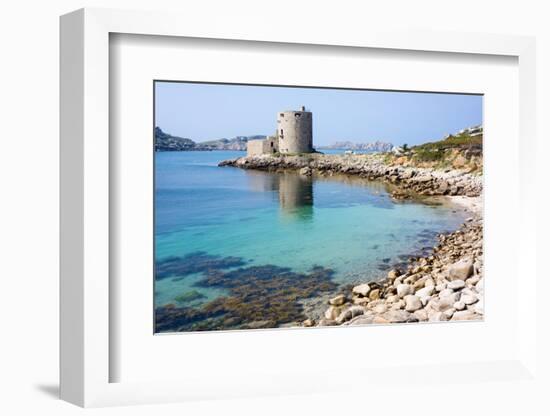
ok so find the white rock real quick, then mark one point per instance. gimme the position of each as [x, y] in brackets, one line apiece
[332, 312]
[399, 316]
[350, 313]
[461, 270]
[404, 289]
[426, 291]
[412, 303]
[472, 281]
[360, 320]
[446, 292]
[449, 313]
[421, 315]
[464, 316]
[446, 302]
[380, 308]
[468, 299]
[459, 305]
[436, 317]
[469, 291]
[362, 290]
[392, 298]
[326, 322]
[440, 287]
[400, 304]
[456, 284]
[425, 300]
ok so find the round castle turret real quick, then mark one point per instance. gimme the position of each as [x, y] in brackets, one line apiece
[294, 129]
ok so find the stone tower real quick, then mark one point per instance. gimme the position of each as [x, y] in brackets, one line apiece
[295, 131]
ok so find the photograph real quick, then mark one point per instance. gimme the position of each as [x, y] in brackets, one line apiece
[304, 207]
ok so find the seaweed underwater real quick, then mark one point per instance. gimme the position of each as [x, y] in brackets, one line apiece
[264, 296]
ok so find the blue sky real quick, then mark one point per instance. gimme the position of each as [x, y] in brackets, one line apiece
[212, 111]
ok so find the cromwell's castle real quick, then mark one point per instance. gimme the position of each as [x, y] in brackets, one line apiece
[294, 135]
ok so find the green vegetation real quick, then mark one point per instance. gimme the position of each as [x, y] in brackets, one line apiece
[429, 154]
[459, 141]
[436, 151]
[388, 158]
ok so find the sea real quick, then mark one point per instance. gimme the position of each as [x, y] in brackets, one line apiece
[211, 219]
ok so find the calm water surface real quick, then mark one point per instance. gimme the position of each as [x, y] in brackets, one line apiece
[351, 226]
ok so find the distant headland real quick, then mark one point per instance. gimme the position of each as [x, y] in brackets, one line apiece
[165, 142]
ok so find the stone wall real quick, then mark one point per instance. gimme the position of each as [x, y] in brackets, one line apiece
[262, 147]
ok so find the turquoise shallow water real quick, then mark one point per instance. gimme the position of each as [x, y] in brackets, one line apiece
[351, 226]
[210, 220]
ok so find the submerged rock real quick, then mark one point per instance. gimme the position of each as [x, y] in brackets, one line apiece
[190, 296]
[258, 297]
[197, 262]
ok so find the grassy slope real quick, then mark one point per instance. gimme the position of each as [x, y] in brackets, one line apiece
[460, 151]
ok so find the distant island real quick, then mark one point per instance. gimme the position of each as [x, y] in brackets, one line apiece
[376, 146]
[165, 142]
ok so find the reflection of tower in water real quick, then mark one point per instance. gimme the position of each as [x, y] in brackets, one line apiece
[295, 192]
[296, 196]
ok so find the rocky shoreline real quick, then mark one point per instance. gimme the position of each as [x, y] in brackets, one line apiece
[409, 180]
[445, 285]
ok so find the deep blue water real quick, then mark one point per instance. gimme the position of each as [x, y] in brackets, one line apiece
[349, 225]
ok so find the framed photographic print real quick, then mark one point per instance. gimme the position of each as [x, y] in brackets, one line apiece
[241, 213]
[312, 229]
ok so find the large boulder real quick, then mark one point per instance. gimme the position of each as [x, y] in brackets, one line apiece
[468, 299]
[350, 313]
[361, 290]
[337, 300]
[421, 315]
[404, 289]
[332, 312]
[399, 316]
[412, 303]
[393, 274]
[456, 284]
[461, 270]
[360, 320]
[465, 315]
[425, 292]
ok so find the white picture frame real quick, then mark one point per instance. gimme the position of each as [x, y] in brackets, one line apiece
[85, 207]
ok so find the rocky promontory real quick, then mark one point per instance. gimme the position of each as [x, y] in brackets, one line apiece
[409, 179]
